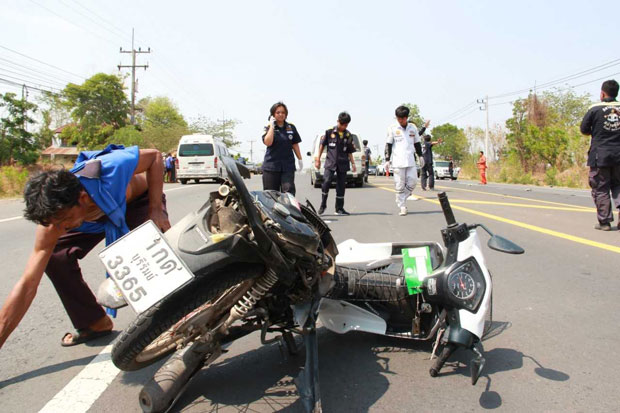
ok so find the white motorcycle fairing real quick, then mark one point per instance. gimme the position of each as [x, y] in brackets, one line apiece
[474, 322]
[341, 316]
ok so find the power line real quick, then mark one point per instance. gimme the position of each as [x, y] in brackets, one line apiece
[42, 62]
[550, 83]
[31, 77]
[20, 85]
[22, 67]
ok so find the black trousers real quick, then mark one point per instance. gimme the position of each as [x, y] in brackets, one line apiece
[65, 273]
[279, 181]
[341, 183]
[428, 174]
[604, 180]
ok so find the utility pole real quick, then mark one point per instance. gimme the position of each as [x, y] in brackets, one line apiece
[251, 142]
[486, 130]
[24, 97]
[133, 66]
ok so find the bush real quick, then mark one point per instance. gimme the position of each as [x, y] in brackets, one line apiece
[12, 180]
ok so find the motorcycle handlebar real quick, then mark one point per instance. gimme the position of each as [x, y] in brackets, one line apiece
[447, 209]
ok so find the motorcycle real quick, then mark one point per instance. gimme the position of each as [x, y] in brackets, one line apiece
[260, 261]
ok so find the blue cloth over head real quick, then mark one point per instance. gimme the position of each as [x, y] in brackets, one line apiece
[105, 175]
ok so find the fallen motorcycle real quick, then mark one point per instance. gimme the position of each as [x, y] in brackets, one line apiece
[260, 261]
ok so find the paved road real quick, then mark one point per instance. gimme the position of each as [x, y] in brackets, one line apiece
[556, 313]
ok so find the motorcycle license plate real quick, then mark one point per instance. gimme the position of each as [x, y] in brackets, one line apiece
[144, 267]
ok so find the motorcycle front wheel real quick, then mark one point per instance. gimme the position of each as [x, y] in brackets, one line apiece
[156, 333]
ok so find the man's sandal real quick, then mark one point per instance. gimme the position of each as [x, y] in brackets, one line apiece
[83, 335]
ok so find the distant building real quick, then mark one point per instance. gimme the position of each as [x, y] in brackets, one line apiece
[61, 152]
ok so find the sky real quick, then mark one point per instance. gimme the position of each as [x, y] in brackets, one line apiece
[234, 59]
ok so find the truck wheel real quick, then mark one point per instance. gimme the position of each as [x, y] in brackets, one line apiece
[183, 181]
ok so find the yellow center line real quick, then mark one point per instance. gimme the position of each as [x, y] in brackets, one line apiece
[513, 197]
[535, 228]
[555, 208]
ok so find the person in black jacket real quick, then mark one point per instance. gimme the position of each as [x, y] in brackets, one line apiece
[340, 148]
[602, 122]
[282, 140]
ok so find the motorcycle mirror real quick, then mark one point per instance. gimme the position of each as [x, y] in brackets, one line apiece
[243, 170]
[501, 244]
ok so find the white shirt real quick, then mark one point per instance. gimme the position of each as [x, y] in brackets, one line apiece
[402, 140]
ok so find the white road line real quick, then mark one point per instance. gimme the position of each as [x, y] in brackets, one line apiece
[10, 219]
[86, 387]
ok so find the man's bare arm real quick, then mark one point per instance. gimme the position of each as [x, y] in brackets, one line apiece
[151, 162]
[24, 291]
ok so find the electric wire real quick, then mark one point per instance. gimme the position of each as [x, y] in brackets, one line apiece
[15, 65]
[32, 77]
[20, 85]
[550, 83]
[42, 62]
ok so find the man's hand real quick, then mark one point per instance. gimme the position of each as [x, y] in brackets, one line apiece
[300, 165]
[354, 167]
[428, 122]
[317, 163]
[422, 163]
[387, 166]
[160, 219]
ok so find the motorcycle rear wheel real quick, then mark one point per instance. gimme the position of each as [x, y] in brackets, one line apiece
[150, 337]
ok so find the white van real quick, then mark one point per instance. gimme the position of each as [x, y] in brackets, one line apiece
[199, 157]
[357, 178]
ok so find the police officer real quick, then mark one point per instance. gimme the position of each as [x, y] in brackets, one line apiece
[282, 140]
[340, 148]
[602, 122]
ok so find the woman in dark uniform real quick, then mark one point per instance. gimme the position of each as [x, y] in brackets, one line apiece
[282, 140]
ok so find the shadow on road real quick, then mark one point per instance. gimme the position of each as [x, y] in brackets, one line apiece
[498, 360]
[352, 376]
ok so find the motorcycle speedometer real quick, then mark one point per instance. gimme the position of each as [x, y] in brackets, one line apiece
[461, 285]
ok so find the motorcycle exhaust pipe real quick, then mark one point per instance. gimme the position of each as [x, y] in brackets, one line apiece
[168, 384]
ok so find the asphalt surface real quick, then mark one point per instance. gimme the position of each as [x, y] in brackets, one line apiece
[552, 347]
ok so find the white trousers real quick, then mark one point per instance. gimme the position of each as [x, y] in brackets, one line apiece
[405, 180]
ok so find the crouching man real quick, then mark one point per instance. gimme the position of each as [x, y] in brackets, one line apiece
[105, 194]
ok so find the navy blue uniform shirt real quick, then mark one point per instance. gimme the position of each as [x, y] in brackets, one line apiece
[279, 156]
[338, 149]
[603, 122]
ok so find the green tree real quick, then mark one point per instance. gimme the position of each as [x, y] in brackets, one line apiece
[98, 107]
[414, 115]
[454, 144]
[16, 142]
[218, 129]
[162, 123]
[128, 136]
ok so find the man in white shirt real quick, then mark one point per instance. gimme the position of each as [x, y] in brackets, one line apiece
[403, 139]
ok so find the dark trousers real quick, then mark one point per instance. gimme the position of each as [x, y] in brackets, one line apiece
[428, 174]
[604, 180]
[341, 183]
[279, 181]
[65, 273]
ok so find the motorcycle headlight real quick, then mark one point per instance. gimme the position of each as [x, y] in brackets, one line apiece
[465, 285]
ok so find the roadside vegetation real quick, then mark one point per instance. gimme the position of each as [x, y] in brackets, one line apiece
[539, 145]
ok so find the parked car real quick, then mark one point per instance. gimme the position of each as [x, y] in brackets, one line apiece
[442, 170]
[353, 178]
[372, 170]
[252, 167]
